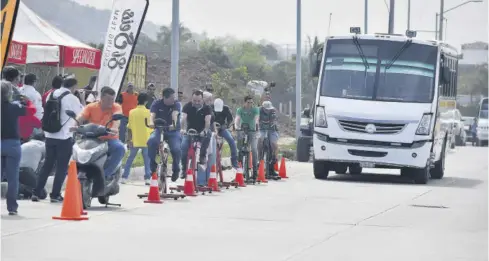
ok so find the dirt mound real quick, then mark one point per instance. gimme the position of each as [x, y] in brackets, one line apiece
[195, 72]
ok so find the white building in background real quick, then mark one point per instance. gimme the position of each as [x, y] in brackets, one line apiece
[474, 53]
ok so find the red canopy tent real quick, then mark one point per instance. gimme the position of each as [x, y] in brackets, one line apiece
[36, 41]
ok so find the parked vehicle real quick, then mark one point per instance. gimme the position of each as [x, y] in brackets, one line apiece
[468, 121]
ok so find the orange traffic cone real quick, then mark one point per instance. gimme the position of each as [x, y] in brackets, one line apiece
[261, 173]
[154, 192]
[189, 186]
[71, 204]
[275, 167]
[212, 183]
[283, 173]
[239, 176]
[82, 212]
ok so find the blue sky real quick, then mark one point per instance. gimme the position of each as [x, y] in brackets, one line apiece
[258, 19]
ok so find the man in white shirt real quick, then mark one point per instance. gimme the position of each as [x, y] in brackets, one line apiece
[32, 94]
[59, 145]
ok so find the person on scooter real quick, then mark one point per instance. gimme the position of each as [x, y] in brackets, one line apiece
[59, 140]
[248, 114]
[268, 127]
[168, 109]
[223, 116]
[198, 115]
[101, 113]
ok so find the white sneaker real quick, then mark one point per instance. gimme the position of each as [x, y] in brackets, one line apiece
[124, 180]
[147, 182]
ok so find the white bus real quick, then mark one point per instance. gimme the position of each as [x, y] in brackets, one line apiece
[381, 102]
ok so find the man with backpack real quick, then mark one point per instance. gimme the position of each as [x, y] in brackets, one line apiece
[59, 140]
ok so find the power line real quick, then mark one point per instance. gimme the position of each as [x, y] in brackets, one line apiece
[387, 6]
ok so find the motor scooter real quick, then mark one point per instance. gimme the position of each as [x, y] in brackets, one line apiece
[90, 154]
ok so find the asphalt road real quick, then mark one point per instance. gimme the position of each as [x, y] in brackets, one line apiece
[369, 217]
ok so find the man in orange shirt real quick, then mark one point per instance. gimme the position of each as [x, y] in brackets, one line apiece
[129, 101]
[100, 113]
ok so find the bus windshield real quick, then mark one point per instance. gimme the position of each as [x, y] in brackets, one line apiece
[410, 78]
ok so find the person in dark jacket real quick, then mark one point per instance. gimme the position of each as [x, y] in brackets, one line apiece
[223, 116]
[10, 144]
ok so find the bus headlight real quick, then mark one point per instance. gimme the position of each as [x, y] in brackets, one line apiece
[321, 120]
[424, 125]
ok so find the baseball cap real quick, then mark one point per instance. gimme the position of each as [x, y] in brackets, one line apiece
[218, 105]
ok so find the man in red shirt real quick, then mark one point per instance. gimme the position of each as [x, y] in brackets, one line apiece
[56, 84]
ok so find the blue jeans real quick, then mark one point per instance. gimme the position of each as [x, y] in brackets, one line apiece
[174, 140]
[116, 154]
[11, 154]
[203, 175]
[123, 130]
[226, 134]
[204, 144]
[132, 154]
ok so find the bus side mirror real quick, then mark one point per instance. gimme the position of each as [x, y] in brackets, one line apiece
[316, 62]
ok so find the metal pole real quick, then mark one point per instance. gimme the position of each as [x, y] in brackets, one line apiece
[440, 31]
[175, 44]
[436, 27]
[298, 73]
[409, 15]
[391, 16]
[365, 23]
[329, 23]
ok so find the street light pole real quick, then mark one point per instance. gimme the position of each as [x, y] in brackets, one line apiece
[365, 23]
[298, 72]
[175, 44]
[391, 16]
[409, 15]
[440, 31]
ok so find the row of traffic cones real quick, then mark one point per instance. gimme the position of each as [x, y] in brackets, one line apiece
[73, 203]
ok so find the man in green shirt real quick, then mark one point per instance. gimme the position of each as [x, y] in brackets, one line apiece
[248, 114]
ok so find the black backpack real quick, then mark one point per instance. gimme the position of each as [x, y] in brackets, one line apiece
[51, 120]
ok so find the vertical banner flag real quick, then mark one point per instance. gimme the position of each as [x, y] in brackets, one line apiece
[9, 14]
[125, 24]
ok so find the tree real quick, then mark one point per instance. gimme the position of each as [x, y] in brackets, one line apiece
[99, 46]
[164, 35]
[249, 54]
[269, 51]
[213, 51]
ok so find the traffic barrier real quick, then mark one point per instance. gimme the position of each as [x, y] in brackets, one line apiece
[261, 173]
[283, 172]
[72, 207]
[212, 183]
[154, 193]
[239, 176]
[189, 186]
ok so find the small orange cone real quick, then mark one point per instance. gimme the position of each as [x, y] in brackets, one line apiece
[239, 176]
[189, 186]
[154, 192]
[261, 173]
[82, 212]
[71, 204]
[283, 173]
[212, 183]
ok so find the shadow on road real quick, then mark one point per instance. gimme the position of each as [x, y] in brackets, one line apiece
[388, 179]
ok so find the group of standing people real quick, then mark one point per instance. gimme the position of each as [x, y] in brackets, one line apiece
[25, 111]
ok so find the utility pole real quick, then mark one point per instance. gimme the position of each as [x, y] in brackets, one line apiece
[409, 15]
[298, 73]
[175, 44]
[391, 17]
[440, 31]
[365, 23]
[329, 23]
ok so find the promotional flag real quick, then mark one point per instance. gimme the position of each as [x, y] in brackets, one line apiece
[125, 24]
[9, 14]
